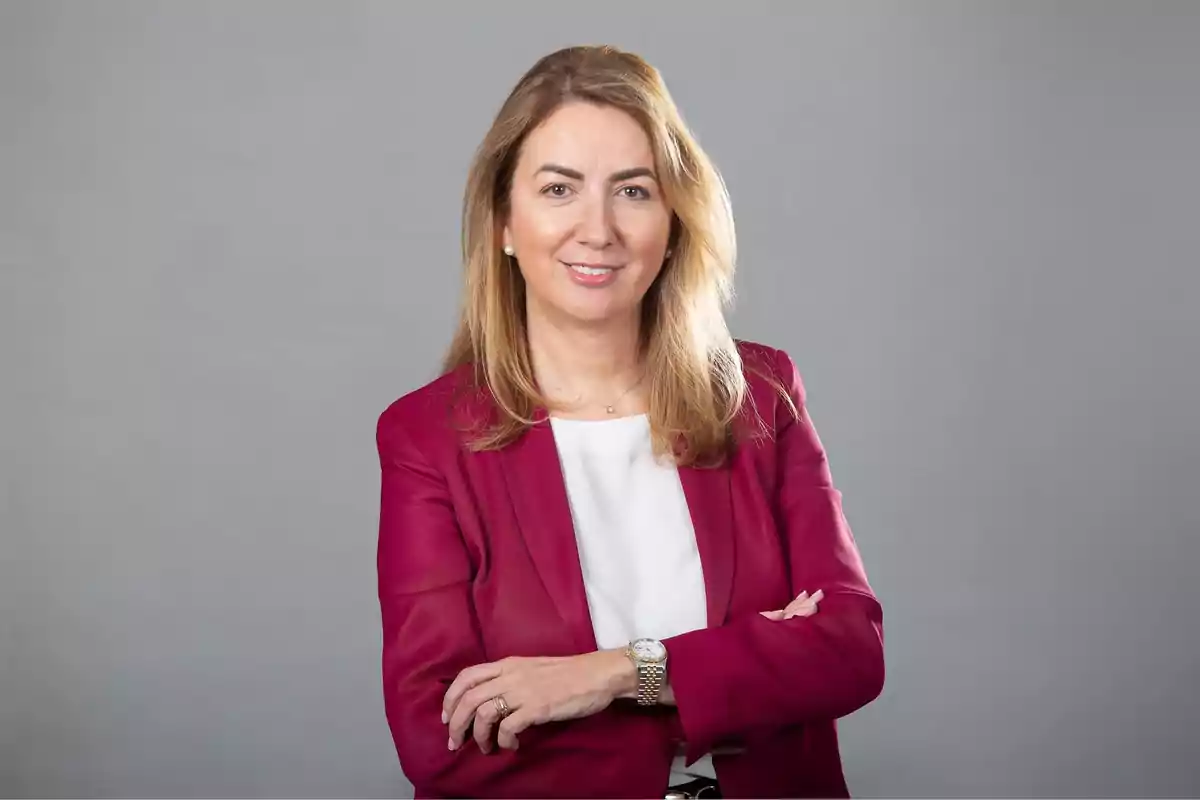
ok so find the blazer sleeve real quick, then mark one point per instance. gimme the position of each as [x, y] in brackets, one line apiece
[430, 630]
[753, 675]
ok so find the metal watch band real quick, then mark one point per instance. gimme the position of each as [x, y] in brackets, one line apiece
[650, 681]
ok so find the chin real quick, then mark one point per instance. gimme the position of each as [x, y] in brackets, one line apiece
[595, 319]
[595, 313]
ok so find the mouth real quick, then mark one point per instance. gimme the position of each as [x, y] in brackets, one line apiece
[590, 270]
[592, 276]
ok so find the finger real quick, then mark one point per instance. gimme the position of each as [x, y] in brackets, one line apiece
[803, 601]
[486, 718]
[513, 724]
[794, 607]
[805, 609]
[800, 598]
[775, 615]
[472, 703]
[466, 680]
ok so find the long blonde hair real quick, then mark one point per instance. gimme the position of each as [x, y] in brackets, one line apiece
[694, 372]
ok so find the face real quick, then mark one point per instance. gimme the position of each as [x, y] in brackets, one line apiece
[587, 221]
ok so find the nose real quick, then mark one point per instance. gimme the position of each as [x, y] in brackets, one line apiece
[595, 226]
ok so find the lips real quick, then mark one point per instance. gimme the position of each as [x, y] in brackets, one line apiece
[591, 275]
[584, 268]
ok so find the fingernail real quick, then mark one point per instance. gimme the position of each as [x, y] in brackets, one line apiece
[445, 718]
[450, 744]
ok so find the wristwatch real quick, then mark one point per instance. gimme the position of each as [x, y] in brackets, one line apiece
[649, 657]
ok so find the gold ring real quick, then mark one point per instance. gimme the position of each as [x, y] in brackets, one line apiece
[501, 707]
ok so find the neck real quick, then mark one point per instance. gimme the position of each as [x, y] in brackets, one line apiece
[586, 368]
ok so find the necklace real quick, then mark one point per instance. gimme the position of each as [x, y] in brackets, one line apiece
[612, 408]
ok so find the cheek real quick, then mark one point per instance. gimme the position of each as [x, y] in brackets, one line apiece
[647, 235]
[535, 242]
[537, 230]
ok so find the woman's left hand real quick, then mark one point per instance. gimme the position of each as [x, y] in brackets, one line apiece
[805, 605]
[535, 691]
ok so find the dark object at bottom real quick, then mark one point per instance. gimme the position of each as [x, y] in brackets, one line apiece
[699, 788]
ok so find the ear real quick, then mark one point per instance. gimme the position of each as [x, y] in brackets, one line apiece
[503, 237]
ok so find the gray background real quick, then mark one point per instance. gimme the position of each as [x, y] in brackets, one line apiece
[228, 238]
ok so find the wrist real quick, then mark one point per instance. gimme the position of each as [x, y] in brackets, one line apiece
[620, 674]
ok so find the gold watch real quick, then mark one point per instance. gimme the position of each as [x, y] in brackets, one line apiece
[649, 657]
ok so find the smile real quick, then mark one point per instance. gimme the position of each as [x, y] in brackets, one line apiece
[589, 269]
[592, 274]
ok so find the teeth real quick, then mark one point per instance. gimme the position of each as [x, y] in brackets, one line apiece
[582, 270]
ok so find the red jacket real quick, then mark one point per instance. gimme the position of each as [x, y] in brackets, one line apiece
[477, 561]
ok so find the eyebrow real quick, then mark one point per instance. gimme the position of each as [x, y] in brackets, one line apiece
[621, 175]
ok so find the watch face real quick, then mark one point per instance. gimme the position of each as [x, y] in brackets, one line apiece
[649, 650]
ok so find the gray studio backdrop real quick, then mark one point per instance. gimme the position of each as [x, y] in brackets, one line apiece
[228, 239]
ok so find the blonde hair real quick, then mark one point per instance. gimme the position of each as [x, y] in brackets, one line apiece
[696, 386]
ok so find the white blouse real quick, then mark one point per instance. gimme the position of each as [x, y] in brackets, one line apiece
[637, 548]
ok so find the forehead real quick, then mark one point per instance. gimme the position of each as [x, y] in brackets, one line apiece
[588, 137]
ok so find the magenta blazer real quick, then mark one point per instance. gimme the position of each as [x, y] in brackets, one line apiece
[477, 561]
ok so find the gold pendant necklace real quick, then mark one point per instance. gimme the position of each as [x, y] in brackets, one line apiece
[612, 409]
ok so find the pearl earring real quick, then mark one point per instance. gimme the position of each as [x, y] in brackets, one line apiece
[509, 251]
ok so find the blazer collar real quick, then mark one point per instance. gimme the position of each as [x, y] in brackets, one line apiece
[533, 474]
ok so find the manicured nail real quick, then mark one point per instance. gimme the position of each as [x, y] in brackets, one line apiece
[450, 744]
[445, 718]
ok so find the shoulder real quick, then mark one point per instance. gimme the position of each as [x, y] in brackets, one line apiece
[431, 414]
[774, 398]
[769, 371]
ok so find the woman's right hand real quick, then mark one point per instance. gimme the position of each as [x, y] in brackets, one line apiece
[805, 605]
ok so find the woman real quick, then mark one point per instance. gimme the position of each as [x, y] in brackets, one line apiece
[611, 561]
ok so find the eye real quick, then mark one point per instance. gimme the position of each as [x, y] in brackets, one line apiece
[556, 190]
[635, 192]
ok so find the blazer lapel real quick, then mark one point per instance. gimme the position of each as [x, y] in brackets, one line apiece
[708, 497]
[539, 496]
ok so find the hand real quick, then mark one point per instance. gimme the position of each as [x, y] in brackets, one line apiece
[536, 690]
[804, 605]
